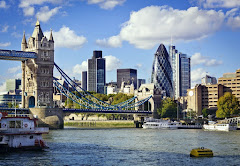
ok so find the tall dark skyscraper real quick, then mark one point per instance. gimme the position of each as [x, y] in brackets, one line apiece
[96, 74]
[129, 76]
[162, 71]
[84, 80]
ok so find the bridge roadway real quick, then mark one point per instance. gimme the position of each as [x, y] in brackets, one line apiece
[16, 55]
[71, 110]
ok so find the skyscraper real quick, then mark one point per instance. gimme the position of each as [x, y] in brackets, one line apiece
[84, 80]
[162, 71]
[183, 75]
[181, 72]
[129, 76]
[172, 57]
[96, 74]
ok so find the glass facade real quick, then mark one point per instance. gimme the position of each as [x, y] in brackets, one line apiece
[101, 80]
[129, 76]
[96, 74]
[162, 72]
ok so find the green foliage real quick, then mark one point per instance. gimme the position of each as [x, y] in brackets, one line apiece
[207, 112]
[227, 106]
[168, 108]
[120, 97]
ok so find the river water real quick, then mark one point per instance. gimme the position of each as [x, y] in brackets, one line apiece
[107, 147]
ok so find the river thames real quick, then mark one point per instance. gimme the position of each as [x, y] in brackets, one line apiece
[74, 146]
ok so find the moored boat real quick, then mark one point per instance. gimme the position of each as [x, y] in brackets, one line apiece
[213, 126]
[159, 123]
[20, 132]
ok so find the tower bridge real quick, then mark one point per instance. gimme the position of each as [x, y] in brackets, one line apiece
[38, 83]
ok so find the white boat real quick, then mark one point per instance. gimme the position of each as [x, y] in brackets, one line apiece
[219, 126]
[158, 123]
[20, 132]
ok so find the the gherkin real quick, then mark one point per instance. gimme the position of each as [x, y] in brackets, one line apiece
[162, 71]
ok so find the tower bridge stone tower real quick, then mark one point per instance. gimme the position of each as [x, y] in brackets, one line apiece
[37, 79]
[37, 74]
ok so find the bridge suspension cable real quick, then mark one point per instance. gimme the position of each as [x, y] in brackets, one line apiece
[87, 100]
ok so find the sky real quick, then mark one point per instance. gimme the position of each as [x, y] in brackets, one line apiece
[128, 32]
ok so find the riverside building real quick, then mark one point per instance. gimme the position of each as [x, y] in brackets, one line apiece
[206, 96]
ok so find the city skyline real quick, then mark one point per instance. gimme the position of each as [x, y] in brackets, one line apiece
[207, 32]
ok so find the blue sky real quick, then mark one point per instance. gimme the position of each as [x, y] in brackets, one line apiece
[127, 31]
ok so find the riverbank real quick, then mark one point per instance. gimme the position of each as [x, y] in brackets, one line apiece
[100, 124]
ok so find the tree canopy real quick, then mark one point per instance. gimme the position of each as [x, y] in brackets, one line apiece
[168, 108]
[227, 106]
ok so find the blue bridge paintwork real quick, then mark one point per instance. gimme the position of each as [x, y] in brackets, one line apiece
[16, 55]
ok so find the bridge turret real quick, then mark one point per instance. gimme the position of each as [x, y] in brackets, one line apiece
[24, 42]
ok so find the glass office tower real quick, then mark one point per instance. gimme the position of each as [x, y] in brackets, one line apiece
[162, 72]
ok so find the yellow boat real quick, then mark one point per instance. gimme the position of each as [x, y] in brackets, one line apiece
[201, 152]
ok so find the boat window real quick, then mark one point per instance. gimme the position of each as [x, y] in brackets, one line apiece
[1, 138]
[11, 124]
[0, 125]
[31, 137]
[18, 124]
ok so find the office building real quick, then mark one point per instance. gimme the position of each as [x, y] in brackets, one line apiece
[162, 72]
[128, 76]
[207, 80]
[206, 96]
[181, 68]
[182, 80]
[13, 84]
[96, 74]
[140, 82]
[84, 80]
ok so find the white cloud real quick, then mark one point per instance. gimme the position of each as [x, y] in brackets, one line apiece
[18, 75]
[220, 3]
[5, 28]
[112, 63]
[197, 75]
[17, 35]
[78, 68]
[14, 69]
[45, 14]
[27, 3]
[5, 44]
[113, 41]
[157, 24]
[28, 11]
[67, 38]
[3, 88]
[198, 59]
[106, 4]
[138, 65]
[233, 18]
[3, 4]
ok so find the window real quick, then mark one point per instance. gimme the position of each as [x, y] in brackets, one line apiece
[11, 124]
[18, 124]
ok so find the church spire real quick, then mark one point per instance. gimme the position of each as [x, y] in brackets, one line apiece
[51, 36]
[24, 38]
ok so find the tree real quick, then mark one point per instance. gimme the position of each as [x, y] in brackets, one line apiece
[168, 108]
[227, 106]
